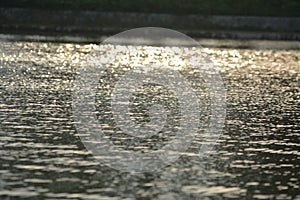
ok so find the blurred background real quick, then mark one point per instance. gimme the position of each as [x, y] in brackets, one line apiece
[89, 20]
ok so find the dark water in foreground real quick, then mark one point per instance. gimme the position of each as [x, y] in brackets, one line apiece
[42, 157]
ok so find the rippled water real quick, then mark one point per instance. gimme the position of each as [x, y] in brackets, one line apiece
[42, 156]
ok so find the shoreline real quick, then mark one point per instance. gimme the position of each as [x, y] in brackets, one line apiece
[204, 42]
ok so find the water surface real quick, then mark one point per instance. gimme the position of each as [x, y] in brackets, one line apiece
[42, 156]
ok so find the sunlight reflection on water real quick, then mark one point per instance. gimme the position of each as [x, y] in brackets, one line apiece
[43, 157]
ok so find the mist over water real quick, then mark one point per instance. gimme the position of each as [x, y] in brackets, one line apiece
[42, 156]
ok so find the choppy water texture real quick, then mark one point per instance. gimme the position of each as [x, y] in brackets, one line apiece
[42, 156]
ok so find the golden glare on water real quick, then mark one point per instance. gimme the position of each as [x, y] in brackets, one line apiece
[147, 56]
